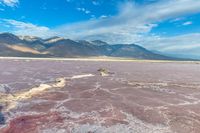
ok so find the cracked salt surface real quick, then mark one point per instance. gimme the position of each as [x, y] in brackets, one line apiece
[82, 76]
[13, 99]
[134, 126]
[138, 97]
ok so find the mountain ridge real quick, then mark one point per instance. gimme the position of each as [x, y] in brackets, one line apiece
[10, 45]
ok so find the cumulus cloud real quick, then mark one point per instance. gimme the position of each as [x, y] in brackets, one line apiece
[22, 28]
[11, 3]
[188, 44]
[131, 22]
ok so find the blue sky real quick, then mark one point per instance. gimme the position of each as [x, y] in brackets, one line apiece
[169, 26]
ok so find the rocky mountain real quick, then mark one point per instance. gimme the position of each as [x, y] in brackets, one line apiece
[28, 46]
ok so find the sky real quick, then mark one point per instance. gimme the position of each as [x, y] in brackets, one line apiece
[168, 26]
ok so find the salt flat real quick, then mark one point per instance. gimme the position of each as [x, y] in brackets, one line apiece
[70, 95]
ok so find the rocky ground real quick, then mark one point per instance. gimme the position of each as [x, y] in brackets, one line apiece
[46, 96]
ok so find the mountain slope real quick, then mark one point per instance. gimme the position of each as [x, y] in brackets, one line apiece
[9, 51]
[70, 48]
[12, 45]
[132, 50]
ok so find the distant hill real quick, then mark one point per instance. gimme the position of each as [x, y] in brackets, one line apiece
[28, 46]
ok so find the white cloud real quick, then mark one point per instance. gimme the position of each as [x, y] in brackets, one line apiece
[93, 16]
[11, 3]
[177, 19]
[134, 22]
[95, 2]
[131, 22]
[83, 10]
[22, 28]
[187, 23]
[103, 16]
[188, 44]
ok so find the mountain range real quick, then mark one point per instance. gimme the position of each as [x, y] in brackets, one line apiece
[28, 46]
